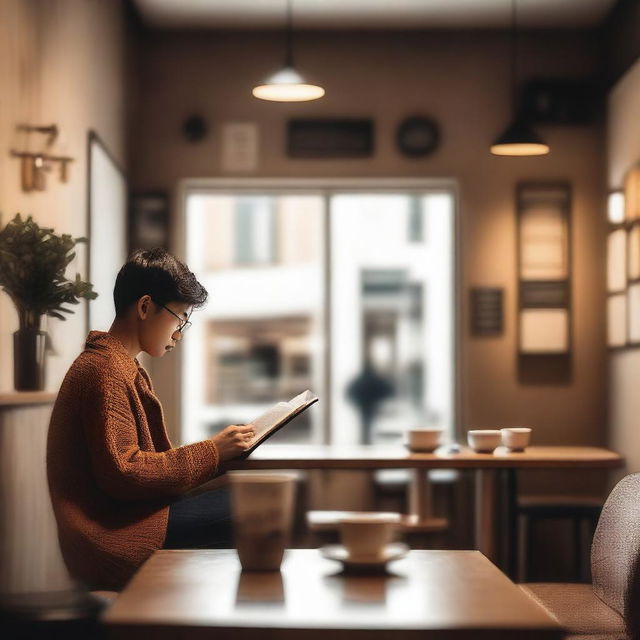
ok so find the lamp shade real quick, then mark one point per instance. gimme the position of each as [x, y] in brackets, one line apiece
[287, 85]
[519, 140]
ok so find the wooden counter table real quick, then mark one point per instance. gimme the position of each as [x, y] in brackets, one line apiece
[394, 457]
[199, 594]
[486, 466]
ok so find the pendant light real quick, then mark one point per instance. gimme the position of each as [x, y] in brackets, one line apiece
[287, 85]
[518, 139]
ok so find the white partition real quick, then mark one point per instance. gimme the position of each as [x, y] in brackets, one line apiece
[107, 230]
[30, 558]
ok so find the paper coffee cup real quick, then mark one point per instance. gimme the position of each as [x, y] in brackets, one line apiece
[262, 511]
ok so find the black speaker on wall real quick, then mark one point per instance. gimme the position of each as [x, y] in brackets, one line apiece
[560, 101]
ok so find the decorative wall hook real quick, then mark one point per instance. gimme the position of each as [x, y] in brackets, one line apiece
[34, 164]
[50, 130]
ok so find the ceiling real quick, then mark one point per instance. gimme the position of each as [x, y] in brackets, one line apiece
[372, 14]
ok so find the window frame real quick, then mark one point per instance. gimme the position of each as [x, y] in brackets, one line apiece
[328, 187]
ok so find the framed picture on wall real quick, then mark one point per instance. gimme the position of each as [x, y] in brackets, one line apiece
[617, 261]
[544, 268]
[617, 320]
[633, 308]
[149, 220]
[633, 252]
[544, 331]
[623, 264]
[107, 229]
[632, 193]
[615, 206]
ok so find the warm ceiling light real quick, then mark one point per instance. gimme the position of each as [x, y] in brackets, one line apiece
[518, 139]
[287, 85]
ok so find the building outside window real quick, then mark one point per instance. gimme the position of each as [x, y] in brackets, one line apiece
[349, 293]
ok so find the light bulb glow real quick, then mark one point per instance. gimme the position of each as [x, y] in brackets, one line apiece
[287, 85]
[520, 149]
[519, 139]
[288, 92]
[615, 207]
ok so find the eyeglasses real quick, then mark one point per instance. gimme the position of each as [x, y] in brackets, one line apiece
[184, 324]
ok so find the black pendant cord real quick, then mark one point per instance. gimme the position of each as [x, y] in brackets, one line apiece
[514, 57]
[288, 55]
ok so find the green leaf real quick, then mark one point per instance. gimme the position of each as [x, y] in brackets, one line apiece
[33, 261]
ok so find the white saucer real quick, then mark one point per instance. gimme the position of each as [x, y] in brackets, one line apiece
[393, 551]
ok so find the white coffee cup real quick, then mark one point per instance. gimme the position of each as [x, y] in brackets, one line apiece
[516, 438]
[366, 533]
[484, 440]
[262, 511]
[424, 439]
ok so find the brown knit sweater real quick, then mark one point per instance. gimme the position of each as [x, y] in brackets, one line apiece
[112, 470]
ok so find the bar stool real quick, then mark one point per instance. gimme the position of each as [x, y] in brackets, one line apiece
[582, 511]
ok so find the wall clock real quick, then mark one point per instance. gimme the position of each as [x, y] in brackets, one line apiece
[417, 136]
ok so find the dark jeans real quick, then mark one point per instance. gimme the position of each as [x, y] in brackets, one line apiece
[200, 522]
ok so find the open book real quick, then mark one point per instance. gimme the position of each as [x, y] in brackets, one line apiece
[269, 422]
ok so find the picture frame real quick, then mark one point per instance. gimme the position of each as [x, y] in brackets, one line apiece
[617, 265]
[330, 138]
[632, 193]
[543, 220]
[633, 317]
[148, 220]
[487, 311]
[623, 263]
[633, 252]
[617, 321]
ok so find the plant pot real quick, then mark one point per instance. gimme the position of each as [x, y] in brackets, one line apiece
[29, 359]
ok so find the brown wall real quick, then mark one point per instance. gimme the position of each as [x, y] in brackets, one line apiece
[461, 80]
[63, 62]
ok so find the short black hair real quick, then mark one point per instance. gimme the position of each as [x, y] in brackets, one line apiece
[155, 272]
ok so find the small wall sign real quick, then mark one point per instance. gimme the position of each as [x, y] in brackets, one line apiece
[487, 311]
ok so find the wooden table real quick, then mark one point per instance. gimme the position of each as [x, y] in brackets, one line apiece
[200, 594]
[486, 468]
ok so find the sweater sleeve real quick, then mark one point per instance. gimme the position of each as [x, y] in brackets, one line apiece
[121, 468]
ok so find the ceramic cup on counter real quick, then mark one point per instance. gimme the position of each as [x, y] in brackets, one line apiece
[484, 440]
[424, 439]
[516, 438]
[366, 533]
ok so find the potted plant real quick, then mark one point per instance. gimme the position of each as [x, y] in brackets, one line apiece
[33, 261]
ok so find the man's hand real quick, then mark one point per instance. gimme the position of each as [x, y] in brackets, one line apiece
[233, 440]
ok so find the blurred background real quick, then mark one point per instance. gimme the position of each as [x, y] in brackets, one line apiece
[346, 263]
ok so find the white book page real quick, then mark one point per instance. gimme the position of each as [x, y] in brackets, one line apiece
[265, 422]
[301, 398]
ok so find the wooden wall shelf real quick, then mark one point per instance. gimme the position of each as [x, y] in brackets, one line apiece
[22, 398]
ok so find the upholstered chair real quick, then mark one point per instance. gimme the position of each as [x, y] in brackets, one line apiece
[606, 608]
